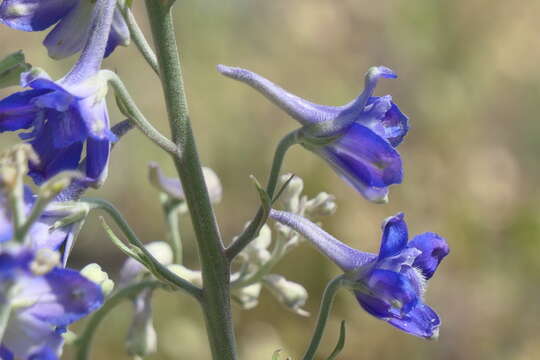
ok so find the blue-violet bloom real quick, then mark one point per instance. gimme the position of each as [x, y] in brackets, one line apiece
[42, 300]
[358, 139]
[390, 285]
[73, 19]
[43, 233]
[68, 114]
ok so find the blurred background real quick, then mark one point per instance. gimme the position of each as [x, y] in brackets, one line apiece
[469, 79]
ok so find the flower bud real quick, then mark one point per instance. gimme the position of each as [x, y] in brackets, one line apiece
[193, 276]
[289, 293]
[290, 198]
[94, 273]
[248, 297]
[323, 204]
[160, 250]
[142, 338]
[257, 250]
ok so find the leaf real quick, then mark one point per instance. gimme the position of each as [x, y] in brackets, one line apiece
[266, 202]
[11, 68]
[341, 342]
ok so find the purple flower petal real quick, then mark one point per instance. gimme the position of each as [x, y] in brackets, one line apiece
[119, 33]
[394, 237]
[33, 15]
[434, 248]
[421, 321]
[70, 34]
[384, 118]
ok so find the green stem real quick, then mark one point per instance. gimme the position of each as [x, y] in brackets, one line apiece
[138, 37]
[165, 273]
[260, 219]
[324, 312]
[214, 265]
[136, 115]
[85, 339]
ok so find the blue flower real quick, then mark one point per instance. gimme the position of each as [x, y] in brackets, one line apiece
[73, 19]
[69, 114]
[390, 285]
[43, 300]
[42, 234]
[358, 139]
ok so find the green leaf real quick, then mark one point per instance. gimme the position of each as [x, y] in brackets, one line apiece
[11, 68]
[341, 342]
[266, 202]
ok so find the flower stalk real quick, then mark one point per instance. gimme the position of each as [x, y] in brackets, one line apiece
[215, 266]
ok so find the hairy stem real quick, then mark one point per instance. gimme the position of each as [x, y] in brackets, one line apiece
[135, 114]
[214, 265]
[138, 37]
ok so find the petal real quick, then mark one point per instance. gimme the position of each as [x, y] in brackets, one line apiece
[394, 237]
[41, 236]
[5, 354]
[53, 159]
[97, 159]
[17, 111]
[63, 297]
[389, 286]
[69, 35]
[33, 15]
[421, 321]
[434, 248]
[44, 354]
[365, 160]
[384, 118]
[119, 33]
[96, 118]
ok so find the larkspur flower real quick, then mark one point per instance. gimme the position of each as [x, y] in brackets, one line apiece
[43, 233]
[390, 285]
[66, 115]
[358, 139]
[73, 19]
[42, 300]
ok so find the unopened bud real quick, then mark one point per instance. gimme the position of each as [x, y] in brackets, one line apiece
[290, 197]
[257, 250]
[289, 293]
[142, 338]
[323, 204]
[248, 297]
[173, 186]
[94, 273]
[193, 276]
[160, 250]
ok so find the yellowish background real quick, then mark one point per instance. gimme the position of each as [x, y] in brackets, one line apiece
[470, 83]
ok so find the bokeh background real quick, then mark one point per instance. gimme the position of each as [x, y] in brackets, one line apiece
[470, 83]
